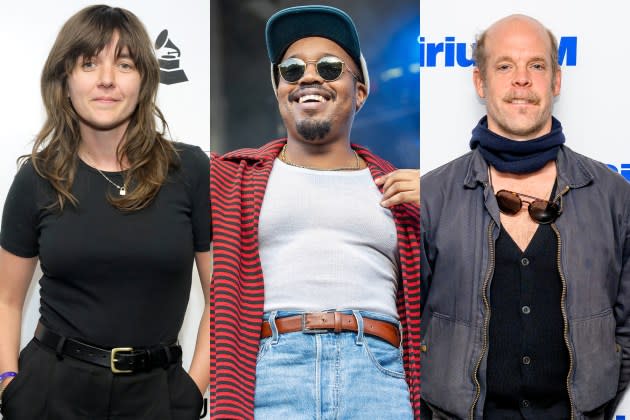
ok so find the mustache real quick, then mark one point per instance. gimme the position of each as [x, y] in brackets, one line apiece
[530, 97]
[293, 96]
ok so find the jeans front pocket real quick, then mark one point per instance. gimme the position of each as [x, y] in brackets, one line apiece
[385, 357]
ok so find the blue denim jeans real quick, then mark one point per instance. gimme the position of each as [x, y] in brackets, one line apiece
[330, 375]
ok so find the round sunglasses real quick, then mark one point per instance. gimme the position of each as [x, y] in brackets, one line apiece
[329, 68]
[541, 211]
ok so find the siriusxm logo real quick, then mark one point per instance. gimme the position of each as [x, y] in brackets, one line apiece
[453, 53]
[624, 170]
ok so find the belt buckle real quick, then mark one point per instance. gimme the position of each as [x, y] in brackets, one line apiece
[113, 360]
[307, 330]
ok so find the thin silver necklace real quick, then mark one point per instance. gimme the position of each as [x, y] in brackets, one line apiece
[122, 189]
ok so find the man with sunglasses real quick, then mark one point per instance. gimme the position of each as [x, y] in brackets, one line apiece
[315, 291]
[525, 250]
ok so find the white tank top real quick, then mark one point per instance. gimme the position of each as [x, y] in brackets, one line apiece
[326, 242]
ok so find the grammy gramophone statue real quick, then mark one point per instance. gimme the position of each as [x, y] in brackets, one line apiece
[168, 57]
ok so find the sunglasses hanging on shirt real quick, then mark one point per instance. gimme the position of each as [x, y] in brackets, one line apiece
[540, 210]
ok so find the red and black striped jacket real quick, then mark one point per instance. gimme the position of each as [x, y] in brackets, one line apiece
[237, 185]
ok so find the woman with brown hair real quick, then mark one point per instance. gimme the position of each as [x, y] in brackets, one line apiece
[116, 214]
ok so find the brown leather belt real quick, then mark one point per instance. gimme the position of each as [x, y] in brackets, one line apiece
[323, 322]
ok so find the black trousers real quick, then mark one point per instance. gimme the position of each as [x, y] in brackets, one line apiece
[47, 387]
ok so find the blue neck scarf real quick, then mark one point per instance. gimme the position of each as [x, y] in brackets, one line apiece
[518, 157]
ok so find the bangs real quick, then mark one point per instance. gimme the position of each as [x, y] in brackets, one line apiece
[97, 31]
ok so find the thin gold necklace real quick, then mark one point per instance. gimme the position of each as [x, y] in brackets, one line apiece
[357, 165]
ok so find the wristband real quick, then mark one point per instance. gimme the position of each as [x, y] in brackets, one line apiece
[6, 375]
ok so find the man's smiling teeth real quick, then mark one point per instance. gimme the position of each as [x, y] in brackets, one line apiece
[305, 98]
[519, 101]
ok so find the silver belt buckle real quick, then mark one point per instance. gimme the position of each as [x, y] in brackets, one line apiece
[307, 330]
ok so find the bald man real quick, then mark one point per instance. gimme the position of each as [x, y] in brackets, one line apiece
[525, 249]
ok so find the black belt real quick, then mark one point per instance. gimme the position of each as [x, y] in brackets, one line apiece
[118, 359]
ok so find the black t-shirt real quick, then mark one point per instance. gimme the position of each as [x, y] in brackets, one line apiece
[112, 278]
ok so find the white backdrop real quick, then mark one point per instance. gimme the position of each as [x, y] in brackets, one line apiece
[28, 31]
[592, 105]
